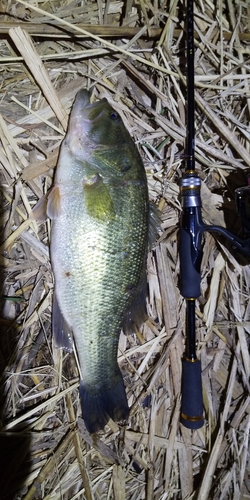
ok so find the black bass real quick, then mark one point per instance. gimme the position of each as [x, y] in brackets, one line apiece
[99, 241]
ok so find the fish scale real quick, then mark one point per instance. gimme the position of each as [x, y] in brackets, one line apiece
[99, 240]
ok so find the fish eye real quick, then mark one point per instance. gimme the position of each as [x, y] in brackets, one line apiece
[126, 167]
[114, 116]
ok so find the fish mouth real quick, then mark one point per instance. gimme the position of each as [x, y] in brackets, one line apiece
[85, 121]
[84, 110]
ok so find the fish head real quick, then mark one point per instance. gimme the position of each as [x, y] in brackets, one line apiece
[97, 144]
[93, 126]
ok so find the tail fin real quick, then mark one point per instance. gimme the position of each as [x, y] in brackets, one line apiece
[99, 407]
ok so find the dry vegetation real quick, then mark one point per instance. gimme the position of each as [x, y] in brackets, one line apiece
[132, 52]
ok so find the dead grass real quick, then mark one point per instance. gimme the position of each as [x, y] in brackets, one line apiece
[123, 51]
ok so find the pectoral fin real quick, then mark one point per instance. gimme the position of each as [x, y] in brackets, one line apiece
[54, 203]
[48, 206]
[98, 201]
[39, 212]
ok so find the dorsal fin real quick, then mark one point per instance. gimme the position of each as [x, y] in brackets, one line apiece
[137, 314]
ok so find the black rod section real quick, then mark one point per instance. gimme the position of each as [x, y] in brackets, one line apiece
[191, 252]
[190, 164]
[190, 330]
[192, 403]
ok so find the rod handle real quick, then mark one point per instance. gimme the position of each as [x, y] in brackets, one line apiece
[192, 403]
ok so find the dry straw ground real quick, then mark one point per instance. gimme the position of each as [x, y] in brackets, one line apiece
[132, 52]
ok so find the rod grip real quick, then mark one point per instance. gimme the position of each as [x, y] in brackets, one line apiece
[190, 258]
[192, 403]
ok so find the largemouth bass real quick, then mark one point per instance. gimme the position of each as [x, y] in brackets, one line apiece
[99, 241]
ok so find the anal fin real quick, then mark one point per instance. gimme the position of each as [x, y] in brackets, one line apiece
[60, 329]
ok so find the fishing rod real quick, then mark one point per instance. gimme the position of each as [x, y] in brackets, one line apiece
[191, 233]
